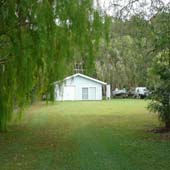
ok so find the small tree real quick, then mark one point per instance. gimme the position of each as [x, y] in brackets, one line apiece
[161, 95]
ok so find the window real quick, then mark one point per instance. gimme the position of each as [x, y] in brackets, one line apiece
[85, 93]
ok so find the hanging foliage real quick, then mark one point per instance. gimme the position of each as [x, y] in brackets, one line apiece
[38, 42]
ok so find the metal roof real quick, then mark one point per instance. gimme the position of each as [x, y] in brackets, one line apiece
[84, 76]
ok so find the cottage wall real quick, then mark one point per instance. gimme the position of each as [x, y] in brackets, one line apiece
[76, 84]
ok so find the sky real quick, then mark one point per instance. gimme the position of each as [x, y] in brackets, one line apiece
[110, 8]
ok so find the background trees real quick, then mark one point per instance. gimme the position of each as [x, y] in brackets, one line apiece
[125, 60]
[138, 53]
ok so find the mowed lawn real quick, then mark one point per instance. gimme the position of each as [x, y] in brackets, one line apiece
[103, 135]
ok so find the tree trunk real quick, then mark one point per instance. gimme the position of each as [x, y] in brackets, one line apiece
[167, 125]
[3, 126]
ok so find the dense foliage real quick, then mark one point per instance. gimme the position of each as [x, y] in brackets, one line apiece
[160, 69]
[161, 94]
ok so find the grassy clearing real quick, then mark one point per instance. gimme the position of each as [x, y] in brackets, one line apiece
[107, 135]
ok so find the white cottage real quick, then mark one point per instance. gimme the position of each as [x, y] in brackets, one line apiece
[78, 87]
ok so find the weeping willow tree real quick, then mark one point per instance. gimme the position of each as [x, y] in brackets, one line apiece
[38, 40]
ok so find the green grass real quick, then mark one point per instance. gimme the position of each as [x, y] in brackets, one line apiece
[106, 135]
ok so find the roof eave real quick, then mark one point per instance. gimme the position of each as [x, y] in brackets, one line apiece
[84, 76]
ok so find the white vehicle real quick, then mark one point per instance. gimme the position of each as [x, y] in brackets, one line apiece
[141, 92]
[121, 92]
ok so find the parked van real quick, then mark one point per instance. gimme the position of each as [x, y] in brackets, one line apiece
[141, 92]
[119, 93]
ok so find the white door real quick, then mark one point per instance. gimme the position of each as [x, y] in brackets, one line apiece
[69, 93]
[84, 93]
[92, 93]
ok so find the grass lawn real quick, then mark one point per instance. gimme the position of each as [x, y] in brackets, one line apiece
[106, 135]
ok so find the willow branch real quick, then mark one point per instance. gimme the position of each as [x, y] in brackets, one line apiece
[3, 60]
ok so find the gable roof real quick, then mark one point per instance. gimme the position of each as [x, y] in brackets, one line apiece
[84, 76]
